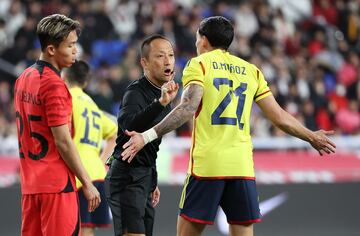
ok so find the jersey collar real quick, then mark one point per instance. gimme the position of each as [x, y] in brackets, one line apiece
[45, 63]
[154, 85]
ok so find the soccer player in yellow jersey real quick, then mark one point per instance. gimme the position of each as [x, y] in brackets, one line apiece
[90, 127]
[219, 90]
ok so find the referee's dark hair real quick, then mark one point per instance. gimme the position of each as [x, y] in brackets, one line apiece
[78, 73]
[145, 46]
[218, 30]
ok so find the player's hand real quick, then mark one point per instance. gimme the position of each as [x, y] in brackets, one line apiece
[168, 92]
[155, 197]
[92, 195]
[135, 144]
[322, 143]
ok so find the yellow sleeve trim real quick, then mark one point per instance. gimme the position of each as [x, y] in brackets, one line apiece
[262, 95]
[195, 81]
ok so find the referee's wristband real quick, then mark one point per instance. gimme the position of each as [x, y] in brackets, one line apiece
[149, 135]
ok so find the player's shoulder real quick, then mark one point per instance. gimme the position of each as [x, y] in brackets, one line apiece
[203, 57]
[241, 61]
[139, 87]
[81, 97]
[195, 61]
[133, 91]
[46, 70]
[76, 91]
[135, 85]
[248, 66]
[30, 72]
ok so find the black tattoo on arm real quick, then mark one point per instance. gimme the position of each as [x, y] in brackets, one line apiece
[189, 104]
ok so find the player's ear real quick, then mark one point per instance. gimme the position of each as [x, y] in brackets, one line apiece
[144, 63]
[50, 50]
[205, 42]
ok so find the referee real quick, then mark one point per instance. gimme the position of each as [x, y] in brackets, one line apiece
[131, 188]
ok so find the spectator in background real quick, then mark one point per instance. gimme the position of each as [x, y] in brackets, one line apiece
[348, 118]
[122, 75]
[3, 36]
[5, 100]
[326, 11]
[8, 137]
[103, 95]
[122, 15]
[91, 126]
[246, 23]
[15, 18]
[284, 29]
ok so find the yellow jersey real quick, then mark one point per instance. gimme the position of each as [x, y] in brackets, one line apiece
[90, 127]
[221, 141]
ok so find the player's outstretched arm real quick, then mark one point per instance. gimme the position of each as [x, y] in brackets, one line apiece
[189, 104]
[71, 157]
[318, 139]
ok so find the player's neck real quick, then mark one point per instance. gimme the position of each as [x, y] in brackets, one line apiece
[50, 60]
[152, 81]
[207, 49]
[73, 86]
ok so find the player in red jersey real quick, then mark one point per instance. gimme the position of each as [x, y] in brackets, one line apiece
[48, 157]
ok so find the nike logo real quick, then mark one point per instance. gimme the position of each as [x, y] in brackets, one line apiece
[270, 204]
[266, 207]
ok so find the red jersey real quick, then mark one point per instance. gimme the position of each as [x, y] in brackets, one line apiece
[42, 100]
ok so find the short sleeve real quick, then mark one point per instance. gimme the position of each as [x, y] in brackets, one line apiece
[194, 73]
[58, 104]
[263, 89]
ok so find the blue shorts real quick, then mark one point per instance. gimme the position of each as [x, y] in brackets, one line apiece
[101, 216]
[201, 198]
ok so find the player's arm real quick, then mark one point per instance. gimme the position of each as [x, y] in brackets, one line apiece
[292, 126]
[68, 152]
[109, 134]
[189, 104]
[108, 148]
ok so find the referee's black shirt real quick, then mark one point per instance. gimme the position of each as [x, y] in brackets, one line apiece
[140, 110]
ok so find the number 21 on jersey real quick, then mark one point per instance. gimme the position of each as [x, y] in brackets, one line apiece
[216, 118]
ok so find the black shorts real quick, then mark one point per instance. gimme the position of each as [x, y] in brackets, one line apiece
[128, 193]
[238, 198]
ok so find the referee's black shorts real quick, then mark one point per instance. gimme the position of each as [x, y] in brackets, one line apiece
[128, 193]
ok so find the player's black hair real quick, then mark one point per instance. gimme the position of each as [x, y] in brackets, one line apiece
[78, 73]
[54, 29]
[218, 30]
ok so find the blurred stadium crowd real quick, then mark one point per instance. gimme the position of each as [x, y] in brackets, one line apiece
[308, 51]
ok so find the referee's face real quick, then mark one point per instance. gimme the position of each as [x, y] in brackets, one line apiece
[159, 66]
